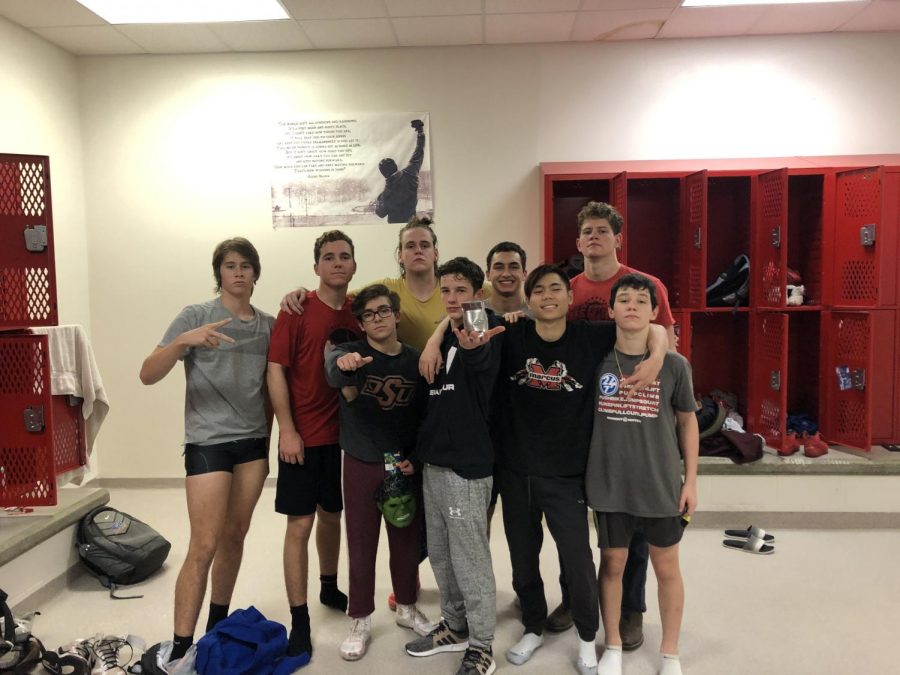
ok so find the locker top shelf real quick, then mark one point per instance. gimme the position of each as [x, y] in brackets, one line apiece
[742, 164]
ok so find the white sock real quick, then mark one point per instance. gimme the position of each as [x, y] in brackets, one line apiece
[611, 661]
[670, 665]
[528, 643]
[587, 652]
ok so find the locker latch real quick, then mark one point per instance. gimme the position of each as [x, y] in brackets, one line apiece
[858, 377]
[867, 235]
[775, 380]
[698, 238]
[33, 417]
[776, 237]
[36, 238]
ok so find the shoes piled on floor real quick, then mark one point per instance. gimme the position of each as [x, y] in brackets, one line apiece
[98, 655]
[752, 540]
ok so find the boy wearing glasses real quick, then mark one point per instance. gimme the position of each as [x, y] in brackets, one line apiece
[382, 400]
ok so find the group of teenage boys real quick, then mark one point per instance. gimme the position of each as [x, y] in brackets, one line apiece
[554, 414]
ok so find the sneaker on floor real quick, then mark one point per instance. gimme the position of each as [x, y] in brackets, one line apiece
[354, 645]
[82, 649]
[477, 661]
[409, 616]
[791, 444]
[631, 628]
[441, 639]
[560, 619]
[106, 655]
[813, 445]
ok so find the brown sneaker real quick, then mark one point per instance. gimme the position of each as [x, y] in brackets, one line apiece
[560, 619]
[631, 628]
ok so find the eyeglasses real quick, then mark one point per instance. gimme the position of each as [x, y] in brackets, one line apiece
[384, 312]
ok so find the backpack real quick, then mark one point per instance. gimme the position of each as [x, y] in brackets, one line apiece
[732, 287]
[20, 651]
[119, 549]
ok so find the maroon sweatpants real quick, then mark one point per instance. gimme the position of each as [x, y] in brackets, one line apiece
[363, 521]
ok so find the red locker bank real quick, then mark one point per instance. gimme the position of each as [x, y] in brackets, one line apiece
[831, 221]
[42, 435]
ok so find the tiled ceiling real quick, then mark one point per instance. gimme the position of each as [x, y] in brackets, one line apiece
[354, 24]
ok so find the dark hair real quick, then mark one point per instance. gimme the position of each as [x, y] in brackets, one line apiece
[415, 222]
[240, 246]
[541, 271]
[465, 268]
[636, 282]
[601, 211]
[327, 237]
[371, 292]
[506, 247]
[387, 167]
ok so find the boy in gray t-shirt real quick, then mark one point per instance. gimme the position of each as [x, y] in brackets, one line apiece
[633, 480]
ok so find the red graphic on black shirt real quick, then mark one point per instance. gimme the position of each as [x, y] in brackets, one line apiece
[554, 378]
[389, 391]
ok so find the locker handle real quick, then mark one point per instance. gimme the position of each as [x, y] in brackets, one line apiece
[36, 238]
[858, 377]
[776, 237]
[33, 417]
[775, 380]
[698, 238]
[867, 235]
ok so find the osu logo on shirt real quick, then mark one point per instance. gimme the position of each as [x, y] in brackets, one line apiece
[389, 391]
[554, 378]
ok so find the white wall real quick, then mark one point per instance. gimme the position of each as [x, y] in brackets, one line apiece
[176, 156]
[39, 115]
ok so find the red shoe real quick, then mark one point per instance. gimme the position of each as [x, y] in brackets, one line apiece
[791, 444]
[392, 599]
[814, 446]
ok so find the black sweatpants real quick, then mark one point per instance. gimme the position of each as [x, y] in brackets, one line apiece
[561, 501]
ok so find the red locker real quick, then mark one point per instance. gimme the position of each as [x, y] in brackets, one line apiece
[768, 259]
[767, 405]
[27, 463]
[27, 270]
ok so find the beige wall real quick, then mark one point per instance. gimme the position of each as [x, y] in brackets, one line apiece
[176, 157]
[39, 115]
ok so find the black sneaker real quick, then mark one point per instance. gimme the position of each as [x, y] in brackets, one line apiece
[477, 661]
[560, 619]
[631, 628]
[441, 639]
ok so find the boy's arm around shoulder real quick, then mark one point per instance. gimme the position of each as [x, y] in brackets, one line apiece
[688, 431]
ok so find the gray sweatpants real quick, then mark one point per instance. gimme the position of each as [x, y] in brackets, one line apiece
[460, 554]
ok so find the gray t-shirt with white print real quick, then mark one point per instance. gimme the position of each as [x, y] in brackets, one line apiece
[634, 465]
[224, 386]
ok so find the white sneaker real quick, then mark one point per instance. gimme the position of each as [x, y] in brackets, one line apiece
[354, 646]
[409, 616]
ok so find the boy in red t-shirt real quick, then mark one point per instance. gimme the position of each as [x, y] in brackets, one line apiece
[309, 456]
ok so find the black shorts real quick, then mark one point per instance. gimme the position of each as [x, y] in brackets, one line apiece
[316, 482]
[614, 530]
[200, 459]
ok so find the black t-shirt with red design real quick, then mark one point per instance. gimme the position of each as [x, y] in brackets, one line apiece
[545, 393]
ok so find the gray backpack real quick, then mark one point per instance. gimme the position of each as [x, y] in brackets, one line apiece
[119, 549]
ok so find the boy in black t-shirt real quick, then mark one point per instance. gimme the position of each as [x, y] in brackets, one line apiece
[381, 405]
[545, 398]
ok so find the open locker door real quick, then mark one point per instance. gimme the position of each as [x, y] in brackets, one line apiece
[767, 391]
[848, 397]
[768, 259]
[618, 197]
[857, 258]
[692, 281]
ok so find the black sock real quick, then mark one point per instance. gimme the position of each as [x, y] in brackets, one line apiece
[330, 595]
[180, 645]
[299, 640]
[216, 614]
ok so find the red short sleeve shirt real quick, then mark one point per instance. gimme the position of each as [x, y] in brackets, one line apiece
[299, 343]
[592, 297]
